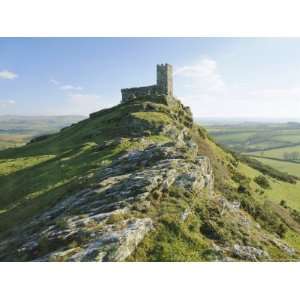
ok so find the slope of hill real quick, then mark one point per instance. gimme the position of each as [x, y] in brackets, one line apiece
[139, 182]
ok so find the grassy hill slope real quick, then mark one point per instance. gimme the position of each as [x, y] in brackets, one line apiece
[140, 182]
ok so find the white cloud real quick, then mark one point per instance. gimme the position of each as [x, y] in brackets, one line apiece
[202, 87]
[202, 76]
[7, 103]
[8, 75]
[69, 87]
[65, 87]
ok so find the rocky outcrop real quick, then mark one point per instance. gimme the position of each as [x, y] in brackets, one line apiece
[99, 223]
[108, 245]
[108, 219]
[249, 253]
[146, 177]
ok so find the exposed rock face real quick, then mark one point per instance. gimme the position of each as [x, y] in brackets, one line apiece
[99, 222]
[109, 245]
[249, 253]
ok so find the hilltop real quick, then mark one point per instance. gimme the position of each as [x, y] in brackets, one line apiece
[140, 182]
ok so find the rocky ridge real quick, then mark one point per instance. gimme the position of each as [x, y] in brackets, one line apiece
[158, 184]
[105, 221]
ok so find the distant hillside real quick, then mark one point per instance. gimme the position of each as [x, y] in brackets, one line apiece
[35, 123]
[274, 144]
[251, 136]
[18, 130]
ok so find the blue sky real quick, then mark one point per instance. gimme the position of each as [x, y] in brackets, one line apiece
[217, 77]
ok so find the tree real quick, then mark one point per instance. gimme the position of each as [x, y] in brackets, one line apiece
[291, 155]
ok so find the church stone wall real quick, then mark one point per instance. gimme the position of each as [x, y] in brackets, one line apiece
[132, 93]
[164, 86]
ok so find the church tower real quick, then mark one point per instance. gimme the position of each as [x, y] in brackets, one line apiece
[164, 79]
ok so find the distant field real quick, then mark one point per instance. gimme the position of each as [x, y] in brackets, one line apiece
[280, 190]
[16, 131]
[237, 137]
[253, 137]
[289, 138]
[12, 140]
[277, 153]
[279, 141]
[285, 166]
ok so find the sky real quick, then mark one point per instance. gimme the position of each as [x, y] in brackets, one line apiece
[255, 78]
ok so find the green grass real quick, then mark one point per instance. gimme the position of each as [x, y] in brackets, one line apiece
[284, 166]
[8, 166]
[13, 140]
[248, 171]
[174, 239]
[279, 190]
[235, 137]
[277, 153]
[264, 136]
[246, 137]
[27, 190]
[153, 117]
[284, 191]
[39, 174]
[293, 239]
[290, 138]
[262, 145]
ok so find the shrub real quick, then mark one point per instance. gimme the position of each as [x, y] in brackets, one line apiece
[281, 230]
[262, 181]
[238, 177]
[210, 231]
[263, 214]
[202, 132]
[295, 215]
[243, 189]
[39, 138]
[283, 203]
